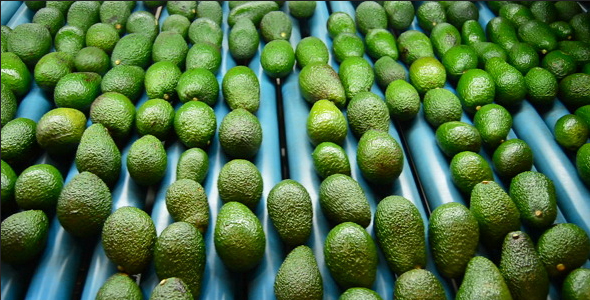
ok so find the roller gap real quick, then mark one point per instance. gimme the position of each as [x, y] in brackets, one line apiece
[406, 147]
[285, 174]
[87, 246]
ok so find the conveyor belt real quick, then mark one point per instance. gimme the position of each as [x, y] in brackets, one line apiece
[68, 262]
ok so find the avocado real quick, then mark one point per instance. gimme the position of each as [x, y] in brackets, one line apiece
[523, 57]
[52, 67]
[147, 160]
[51, 18]
[574, 90]
[483, 280]
[178, 24]
[161, 79]
[475, 88]
[211, 10]
[30, 41]
[277, 58]
[495, 213]
[63, 6]
[370, 15]
[133, 49]
[575, 285]
[584, 113]
[233, 4]
[38, 187]
[59, 130]
[195, 124]
[429, 14]
[187, 9]
[299, 276]
[534, 195]
[387, 70]
[444, 36]
[402, 100]
[516, 13]
[472, 32]
[563, 248]
[239, 239]
[340, 22]
[495, 6]
[275, 25]
[456, 136]
[539, 35]
[512, 157]
[180, 252]
[170, 46]
[77, 90]
[460, 12]
[367, 111]
[203, 55]
[541, 86]
[205, 30]
[243, 40]
[253, 10]
[302, 9]
[580, 51]
[339, 191]
[187, 202]
[128, 239]
[240, 181]
[571, 132]
[502, 32]
[198, 85]
[15, 75]
[486, 51]
[240, 134]
[427, 73]
[351, 255]
[400, 14]
[83, 14]
[119, 286]
[35, 5]
[522, 269]
[413, 44]
[329, 158]
[84, 205]
[453, 236]
[98, 153]
[544, 11]
[311, 49]
[19, 144]
[9, 105]
[380, 42]
[418, 284]
[357, 293]
[400, 232]
[92, 59]
[115, 13]
[144, 23]
[493, 122]
[580, 24]
[241, 89]
[24, 235]
[441, 106]
[567, 10]
[172, 288]
[562, 30]
[115, 112]
[289, 207]
[318, 81]
[380, 157]
[559, 63]
[69, 39]
[458, 59]
[127, 80]
[8, 181]
[193, 164]
[356, 75]
[468, 169]
[5, 32]
[347, 45]
[326, 123]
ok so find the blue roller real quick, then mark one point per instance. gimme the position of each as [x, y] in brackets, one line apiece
[22, 15]
[13, 282]
[9, 8]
